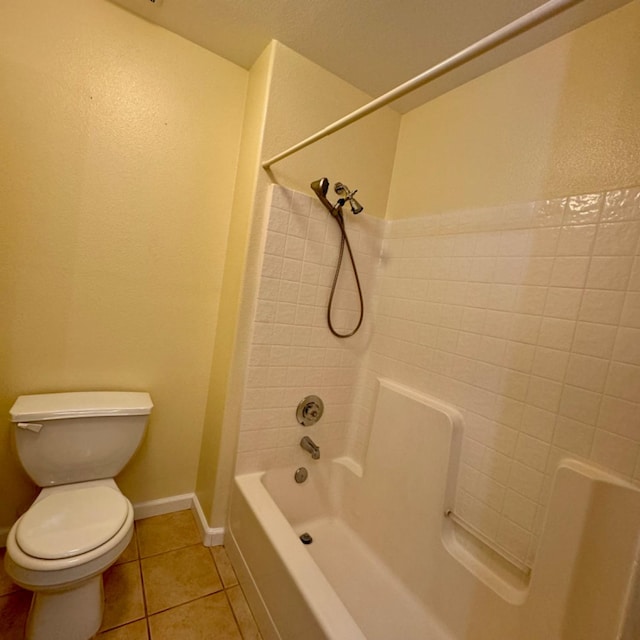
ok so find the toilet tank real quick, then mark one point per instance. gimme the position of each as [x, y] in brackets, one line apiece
[62, 438]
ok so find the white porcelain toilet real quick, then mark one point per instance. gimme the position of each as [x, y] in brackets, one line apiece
[72, 445]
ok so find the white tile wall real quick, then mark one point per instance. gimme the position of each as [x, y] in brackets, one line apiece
[292, 352]
[527, 318]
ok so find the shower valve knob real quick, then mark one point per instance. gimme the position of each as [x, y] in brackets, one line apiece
[309, 410]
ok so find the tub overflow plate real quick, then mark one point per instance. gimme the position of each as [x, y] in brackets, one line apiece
[309, 410]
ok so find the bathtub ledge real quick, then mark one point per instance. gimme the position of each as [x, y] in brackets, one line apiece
[350, 464]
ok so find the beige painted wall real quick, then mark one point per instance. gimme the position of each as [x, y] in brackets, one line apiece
[119, 145]
[563, 119]
[305, 98]
[301, 98]
[214, 470]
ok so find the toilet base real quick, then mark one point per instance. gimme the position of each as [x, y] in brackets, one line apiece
[75, 614]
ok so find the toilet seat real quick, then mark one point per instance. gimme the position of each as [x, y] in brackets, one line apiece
[70, 523]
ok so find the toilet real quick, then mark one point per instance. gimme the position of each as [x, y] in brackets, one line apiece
[72, 445]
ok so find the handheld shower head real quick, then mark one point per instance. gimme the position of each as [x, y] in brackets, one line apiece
[320, 187]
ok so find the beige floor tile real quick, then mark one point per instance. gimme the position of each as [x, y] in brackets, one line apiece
[243, 614]
[176, 577]
[123, 597]
[224, 567]
[202, 619]
[131, 552]
[132, 631]
[6, 584]
[166, 533]
[13, 614]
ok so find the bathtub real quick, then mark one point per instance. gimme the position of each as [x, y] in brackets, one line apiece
[385, 563]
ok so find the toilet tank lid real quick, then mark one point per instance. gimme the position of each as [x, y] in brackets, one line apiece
[80, 404]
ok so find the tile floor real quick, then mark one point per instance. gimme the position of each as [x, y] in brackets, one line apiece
[165, 586]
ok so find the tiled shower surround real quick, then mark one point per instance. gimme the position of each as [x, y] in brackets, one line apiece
[527, 318]
[293, 354]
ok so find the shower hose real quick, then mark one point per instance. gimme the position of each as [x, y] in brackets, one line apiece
[344, 241]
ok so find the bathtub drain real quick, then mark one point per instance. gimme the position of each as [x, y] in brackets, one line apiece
[306, 538]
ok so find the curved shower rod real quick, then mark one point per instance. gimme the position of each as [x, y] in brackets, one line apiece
[518, 26]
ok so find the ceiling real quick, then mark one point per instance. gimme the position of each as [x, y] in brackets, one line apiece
[374, 45]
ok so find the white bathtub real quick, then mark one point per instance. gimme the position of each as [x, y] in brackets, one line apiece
[386, 564]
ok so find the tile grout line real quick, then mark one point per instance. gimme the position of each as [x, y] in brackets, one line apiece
[144, 593]
[233, 613]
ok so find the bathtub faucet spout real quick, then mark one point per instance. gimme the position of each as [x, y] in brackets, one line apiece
[309, 445]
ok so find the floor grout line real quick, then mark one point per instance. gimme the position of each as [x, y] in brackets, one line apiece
[130, 595]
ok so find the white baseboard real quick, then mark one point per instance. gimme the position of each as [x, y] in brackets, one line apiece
[211, 536]
[163, 505]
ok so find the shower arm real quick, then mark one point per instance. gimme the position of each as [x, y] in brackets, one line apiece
[502, 35]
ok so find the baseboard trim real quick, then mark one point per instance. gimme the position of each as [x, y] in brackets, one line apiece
[163, 505]
[211, 536]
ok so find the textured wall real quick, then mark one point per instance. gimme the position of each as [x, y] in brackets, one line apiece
[303, 99]
[217, 450]
[561, 119]
[119, 150]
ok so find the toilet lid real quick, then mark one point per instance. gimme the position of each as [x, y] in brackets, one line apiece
[69, 523]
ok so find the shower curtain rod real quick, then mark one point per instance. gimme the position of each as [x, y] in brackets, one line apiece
[525, 22]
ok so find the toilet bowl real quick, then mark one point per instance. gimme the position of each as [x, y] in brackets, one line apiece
[60, 548]
[76, 529]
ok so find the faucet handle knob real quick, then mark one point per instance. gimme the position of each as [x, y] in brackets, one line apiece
[309, 410]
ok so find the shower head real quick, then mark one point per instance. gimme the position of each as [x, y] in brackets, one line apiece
[320, 188]
[348, 196]
[356, 207]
